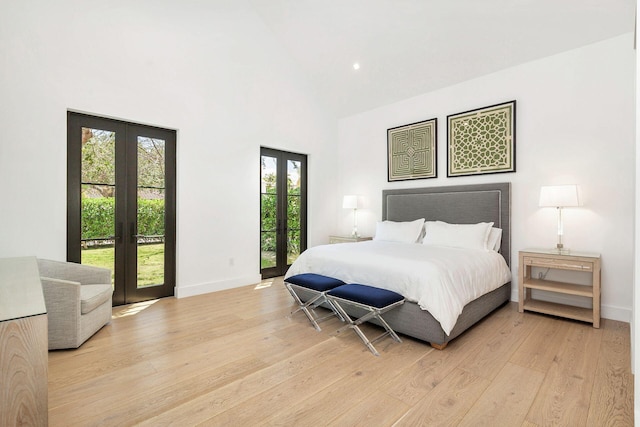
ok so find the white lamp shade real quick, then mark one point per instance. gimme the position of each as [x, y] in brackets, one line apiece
[559, 196]
[350, 202]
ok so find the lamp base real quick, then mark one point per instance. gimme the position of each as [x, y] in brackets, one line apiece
[354, 233]
[561, 250]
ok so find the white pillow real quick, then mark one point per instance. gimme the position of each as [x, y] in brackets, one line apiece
[392, 231]
[495, 239]
[469, 236]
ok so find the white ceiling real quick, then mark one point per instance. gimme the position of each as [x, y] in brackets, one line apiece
[409, 47]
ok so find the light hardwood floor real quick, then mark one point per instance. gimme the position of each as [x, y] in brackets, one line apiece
[235, 358]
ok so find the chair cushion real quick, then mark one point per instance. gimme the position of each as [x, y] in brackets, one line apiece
[367, 295]
[317, 282]
[92, 296]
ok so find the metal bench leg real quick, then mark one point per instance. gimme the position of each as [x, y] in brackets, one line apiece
[312, 304]
[303, 306]
[373, 313]
[365, 340]
[390, 331]
[354, 325]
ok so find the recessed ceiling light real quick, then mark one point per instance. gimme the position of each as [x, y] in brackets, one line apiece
[356, 66]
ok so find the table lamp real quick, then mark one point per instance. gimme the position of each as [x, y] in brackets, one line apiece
[351, 202]
[559, 197]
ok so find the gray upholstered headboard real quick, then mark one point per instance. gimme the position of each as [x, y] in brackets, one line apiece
[459, 204]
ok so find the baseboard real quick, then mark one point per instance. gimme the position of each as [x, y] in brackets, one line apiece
[205, 288]
[620, 314]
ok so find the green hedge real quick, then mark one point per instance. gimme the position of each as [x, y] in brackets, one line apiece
[98, 217]
[268, 223]
[151, 217]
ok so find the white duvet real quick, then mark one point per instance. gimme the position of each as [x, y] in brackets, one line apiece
[441, 279]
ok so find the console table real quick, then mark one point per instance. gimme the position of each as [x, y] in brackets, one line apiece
[23, 344]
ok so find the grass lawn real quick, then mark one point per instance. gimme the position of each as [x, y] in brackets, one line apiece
[268, 259]
[150, 262]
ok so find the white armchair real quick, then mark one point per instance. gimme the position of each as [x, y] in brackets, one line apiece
[78, 300]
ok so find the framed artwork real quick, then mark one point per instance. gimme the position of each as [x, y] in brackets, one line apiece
[411, 151]
[482, 141]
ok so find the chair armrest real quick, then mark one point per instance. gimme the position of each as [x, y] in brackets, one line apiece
[60, 292]
[84, 274]
[62, 299]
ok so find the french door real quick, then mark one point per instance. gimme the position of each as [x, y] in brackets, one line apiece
[121, 201]
[283, 210]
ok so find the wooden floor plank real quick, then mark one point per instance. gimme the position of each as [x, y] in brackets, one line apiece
[359, 379]
[507, 400]
[150, 397]
[539, 351]
[377, 409]
[447, 403]
[499, 347]
[208, 405]
[612, 398]
[286, 394]
[237, 357]
[565, 395]
[421, 377]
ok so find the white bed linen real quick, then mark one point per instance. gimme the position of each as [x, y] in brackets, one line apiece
[441, 279]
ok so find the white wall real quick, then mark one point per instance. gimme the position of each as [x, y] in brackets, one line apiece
[635, 331]
[211, 70]
[575, 124]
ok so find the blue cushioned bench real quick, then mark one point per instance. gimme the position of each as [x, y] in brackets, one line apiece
[375, 301]
[317, 285]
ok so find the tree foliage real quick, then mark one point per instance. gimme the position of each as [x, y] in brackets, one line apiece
[268, 208]
[98, 177]
[99, 159]
[151, 162]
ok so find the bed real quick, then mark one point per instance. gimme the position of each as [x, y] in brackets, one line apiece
[463, 204]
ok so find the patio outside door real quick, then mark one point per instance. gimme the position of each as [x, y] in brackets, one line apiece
[121, 204]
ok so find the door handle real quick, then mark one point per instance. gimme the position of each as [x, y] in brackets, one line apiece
[132, 232]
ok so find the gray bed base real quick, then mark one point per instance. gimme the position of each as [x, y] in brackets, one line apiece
[460, 204]
[410, 320]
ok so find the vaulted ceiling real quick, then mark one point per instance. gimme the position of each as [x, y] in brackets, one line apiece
[409, 47]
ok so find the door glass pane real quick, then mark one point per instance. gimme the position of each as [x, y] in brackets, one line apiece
[150, 211]
[293, 210]
[268, 211]
[98, 206]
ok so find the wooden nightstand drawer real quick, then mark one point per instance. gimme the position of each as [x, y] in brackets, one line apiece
[559, 263]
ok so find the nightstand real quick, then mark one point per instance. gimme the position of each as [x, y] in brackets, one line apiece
[576, 261]
[347, 239]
